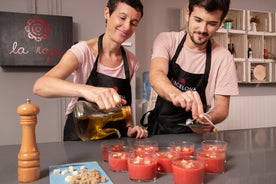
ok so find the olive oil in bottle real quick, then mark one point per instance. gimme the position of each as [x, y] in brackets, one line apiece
[89, 120]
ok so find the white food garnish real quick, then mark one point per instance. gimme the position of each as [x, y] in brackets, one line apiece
[75, 172]
[56, 171]
[83, 168]
[64, 172]
[71, 168]
[68, 178]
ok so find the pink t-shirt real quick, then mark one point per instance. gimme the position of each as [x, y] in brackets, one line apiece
[86, 61]
[223, 75]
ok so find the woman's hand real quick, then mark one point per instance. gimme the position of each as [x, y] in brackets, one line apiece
[137, 131]
[105, 98]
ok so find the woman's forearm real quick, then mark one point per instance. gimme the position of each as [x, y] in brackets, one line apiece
[51, 87]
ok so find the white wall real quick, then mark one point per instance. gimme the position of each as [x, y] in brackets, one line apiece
[16, 83]
[250, 111]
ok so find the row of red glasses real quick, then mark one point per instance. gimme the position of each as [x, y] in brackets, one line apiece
[210, 158]
[146, 159]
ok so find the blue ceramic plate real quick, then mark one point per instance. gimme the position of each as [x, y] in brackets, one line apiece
[60, 178]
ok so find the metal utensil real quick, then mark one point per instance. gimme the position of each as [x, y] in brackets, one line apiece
[194, 123]
[209, 121]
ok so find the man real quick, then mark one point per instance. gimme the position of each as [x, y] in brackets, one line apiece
[190, 71]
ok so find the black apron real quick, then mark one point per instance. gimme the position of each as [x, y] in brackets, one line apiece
[101, 80]
[163, 119]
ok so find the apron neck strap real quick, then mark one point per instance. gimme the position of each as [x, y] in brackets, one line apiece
[123, 52]
[208, 57]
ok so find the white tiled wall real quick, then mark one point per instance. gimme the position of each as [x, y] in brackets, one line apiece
[250, 112]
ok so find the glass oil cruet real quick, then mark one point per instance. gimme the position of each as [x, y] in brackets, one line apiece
[89, 120]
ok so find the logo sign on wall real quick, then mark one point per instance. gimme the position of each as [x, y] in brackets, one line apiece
[33, 39]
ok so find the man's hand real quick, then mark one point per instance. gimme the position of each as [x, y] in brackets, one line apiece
[190, 101]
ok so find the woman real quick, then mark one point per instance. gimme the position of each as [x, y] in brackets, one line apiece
[101, 67]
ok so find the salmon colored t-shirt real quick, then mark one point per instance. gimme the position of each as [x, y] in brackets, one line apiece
[223, 75]
[86, 61]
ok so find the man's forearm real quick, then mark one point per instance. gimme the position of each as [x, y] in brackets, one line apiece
[163, 86]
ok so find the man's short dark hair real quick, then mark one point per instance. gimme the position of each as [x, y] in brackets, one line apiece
[211, 5]
[136, 4]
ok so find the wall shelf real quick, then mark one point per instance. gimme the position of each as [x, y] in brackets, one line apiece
[240, 35]
[261, 67]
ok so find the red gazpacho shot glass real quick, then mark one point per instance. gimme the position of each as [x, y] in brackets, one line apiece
[164, 161]
[187, 170]
[183, 148]
[214, 162]
[117, 161]
[214, 145]
[142, 168]
[111, 145]
[145, 146]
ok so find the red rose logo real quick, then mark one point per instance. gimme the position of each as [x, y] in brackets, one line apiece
[182, 81]
[37, 29]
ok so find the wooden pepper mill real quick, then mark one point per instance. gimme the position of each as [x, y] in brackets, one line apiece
[28, 156]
